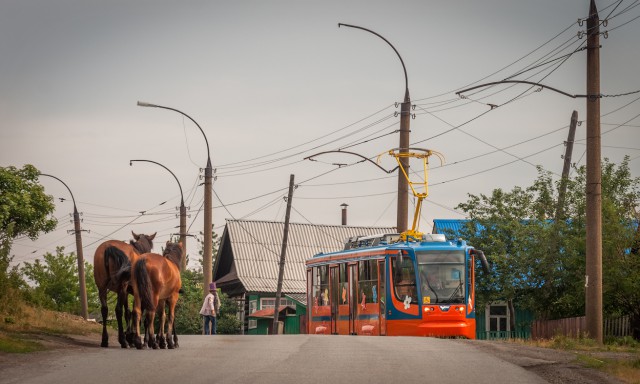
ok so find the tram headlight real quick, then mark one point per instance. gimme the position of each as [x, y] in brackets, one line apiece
[460, 309]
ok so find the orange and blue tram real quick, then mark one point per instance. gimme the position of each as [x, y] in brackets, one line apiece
[380, 285]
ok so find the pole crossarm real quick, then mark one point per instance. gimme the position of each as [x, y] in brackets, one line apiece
[355, 154]
[459, 93]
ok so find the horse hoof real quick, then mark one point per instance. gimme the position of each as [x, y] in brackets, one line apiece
[155, 346]
[104, 345]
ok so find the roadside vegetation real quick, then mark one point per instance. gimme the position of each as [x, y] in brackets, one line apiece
[618, 357]
[43, 296]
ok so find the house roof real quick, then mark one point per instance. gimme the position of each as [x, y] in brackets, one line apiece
[267, 313]
[448, 225]
[256, 246]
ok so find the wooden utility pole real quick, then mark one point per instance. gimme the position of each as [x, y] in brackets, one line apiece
[567, 166]
[283, 253]
[593, 279]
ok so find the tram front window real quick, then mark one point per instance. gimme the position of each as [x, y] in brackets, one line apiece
[442, 278]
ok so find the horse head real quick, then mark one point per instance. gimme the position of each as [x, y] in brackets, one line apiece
[142, 243]
[173, 252]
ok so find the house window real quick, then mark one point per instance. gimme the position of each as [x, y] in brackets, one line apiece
[253, 306]
[253, 323]
[497, 318]
[270, 302]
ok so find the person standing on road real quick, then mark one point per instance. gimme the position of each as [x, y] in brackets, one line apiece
[210, 310]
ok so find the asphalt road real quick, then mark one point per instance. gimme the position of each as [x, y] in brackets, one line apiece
[284, 359]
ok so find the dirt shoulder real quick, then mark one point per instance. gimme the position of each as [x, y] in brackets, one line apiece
[554, 366]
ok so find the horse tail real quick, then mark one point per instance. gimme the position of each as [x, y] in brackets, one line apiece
[144, 284]
[120, 264]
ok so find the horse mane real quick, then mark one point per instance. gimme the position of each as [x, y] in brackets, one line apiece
[173, 252]
[144, 244]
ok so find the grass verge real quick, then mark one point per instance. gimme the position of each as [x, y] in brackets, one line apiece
[16, 328]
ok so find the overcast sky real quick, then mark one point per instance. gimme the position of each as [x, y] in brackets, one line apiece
[272, 82]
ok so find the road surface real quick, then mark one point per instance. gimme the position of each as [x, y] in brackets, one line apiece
[284, 359]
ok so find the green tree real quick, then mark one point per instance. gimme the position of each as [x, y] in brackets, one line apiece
[188, 319]
[540, 262]
[228, 323]
[25, 210]
[55, 282]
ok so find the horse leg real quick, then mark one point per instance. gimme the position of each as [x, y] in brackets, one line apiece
[127, 317]
[162, 342]
[151, 314]
[104, 310]
[170, 330]
[135, 319]
[122, 299]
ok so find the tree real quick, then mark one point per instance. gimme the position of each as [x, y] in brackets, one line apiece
[24, 211]
[24, 207]
[55, 282]
[540, 262]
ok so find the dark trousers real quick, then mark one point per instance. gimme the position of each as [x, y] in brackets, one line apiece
[213, 320]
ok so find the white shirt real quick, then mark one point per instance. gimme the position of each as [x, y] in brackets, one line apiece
[208, 306]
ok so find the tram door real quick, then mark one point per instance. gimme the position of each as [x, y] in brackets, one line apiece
[353, 301]
[334, 297]
[382, 288]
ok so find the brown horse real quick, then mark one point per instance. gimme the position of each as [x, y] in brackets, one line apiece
[110, 257]
[156, 280]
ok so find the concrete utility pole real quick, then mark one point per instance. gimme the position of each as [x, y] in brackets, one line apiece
[78, 233]
[405, 118]
[567, 166]
[593, 279]
[283, 254]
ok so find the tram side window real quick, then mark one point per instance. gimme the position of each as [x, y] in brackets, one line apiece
[404, 280]
[368, 281]
[320, 285]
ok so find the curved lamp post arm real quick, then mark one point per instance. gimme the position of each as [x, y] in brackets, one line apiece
[144, 104]
[406, 78]
[66, 186]
[172, 174]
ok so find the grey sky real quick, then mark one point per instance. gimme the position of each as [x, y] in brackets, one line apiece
[273, 82]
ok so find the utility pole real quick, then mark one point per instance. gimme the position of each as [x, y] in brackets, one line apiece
[593, 279]
[403, 188]
[283, 253]
[567, 166]
[78, 233]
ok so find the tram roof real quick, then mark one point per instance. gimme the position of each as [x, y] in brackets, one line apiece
[256, 246]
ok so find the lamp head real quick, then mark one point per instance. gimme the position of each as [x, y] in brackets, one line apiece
[145, 104]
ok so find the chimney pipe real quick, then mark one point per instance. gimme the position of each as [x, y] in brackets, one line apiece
[344, 213]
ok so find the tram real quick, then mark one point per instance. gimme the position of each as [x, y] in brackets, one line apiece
[406, 284]
[381, 286]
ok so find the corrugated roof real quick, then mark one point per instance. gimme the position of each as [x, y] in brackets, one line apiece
[257, 245]
[448, 225]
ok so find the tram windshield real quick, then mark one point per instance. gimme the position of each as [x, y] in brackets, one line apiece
[442, 278]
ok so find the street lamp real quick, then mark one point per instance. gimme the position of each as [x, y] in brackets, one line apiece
[183, 214]
[76, 229]
[403, 188]
[208, 209]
